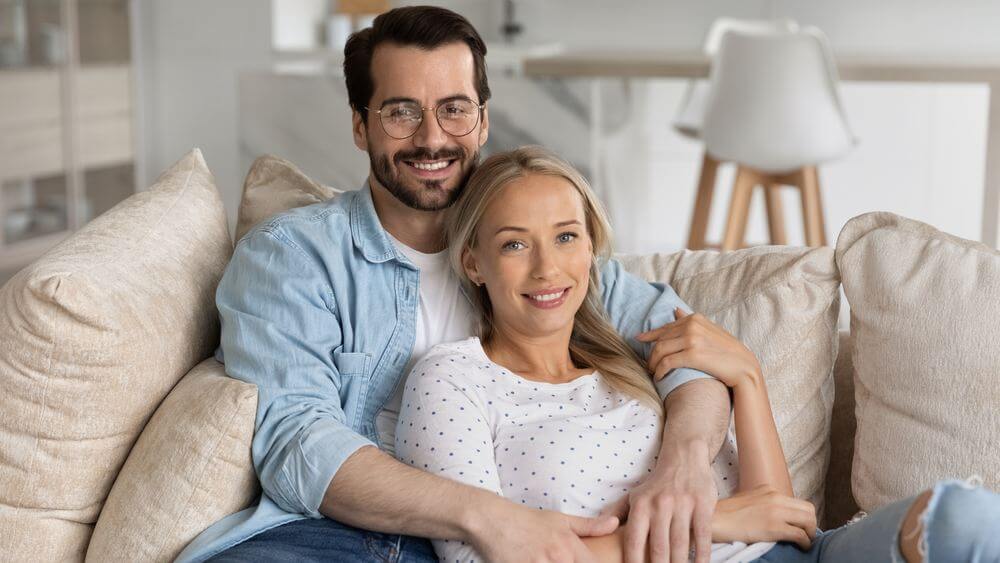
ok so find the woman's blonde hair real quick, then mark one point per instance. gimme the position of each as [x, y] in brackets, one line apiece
[594, 342]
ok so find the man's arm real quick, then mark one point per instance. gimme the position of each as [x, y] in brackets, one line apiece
[679, 496]
[280, 332]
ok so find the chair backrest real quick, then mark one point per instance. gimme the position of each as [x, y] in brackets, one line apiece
[773, 102]
[723, 25]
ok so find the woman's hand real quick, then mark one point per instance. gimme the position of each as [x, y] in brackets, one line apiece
[692, 341]
[764, 514]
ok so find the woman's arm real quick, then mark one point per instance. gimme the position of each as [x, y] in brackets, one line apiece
[694, 341]
[762, 461]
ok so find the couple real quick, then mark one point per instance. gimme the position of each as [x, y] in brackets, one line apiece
[549, 406]
[326, 308]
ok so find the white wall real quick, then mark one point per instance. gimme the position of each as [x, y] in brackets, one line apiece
[188, 57]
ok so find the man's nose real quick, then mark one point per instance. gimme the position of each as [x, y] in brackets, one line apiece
[429, 134]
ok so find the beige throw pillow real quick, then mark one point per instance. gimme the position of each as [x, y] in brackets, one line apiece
[274, 185]
[782, 303]
[92, 337]
[926, 350]
[190, 467]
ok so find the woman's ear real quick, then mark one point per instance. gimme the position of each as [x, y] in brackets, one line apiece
[471, 266]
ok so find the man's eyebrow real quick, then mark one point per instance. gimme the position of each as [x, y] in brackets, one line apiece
[398, 99]
[403, 99]
[523, 230]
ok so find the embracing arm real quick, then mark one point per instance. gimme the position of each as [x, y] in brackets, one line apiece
[280, 332]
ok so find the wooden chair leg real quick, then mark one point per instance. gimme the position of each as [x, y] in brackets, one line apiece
[775, 213]
[702, 203]
[739, 208]
[812, 208]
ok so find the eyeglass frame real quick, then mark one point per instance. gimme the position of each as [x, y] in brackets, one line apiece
[378, 112]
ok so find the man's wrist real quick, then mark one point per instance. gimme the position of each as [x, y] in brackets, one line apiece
[479, 513]
[683, 451]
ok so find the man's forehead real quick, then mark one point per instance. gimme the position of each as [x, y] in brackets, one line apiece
[424, 74]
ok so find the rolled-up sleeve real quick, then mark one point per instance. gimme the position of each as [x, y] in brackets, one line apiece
[279, 332]
[636, 306]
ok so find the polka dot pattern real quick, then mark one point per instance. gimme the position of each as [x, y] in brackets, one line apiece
[574, 447]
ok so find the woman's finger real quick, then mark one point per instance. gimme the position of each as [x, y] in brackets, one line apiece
[664, 348]
[797, 536]
[669, 362]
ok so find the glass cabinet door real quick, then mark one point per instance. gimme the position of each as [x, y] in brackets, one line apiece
[34, 187]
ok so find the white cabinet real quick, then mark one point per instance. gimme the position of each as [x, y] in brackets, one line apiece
[66, 120]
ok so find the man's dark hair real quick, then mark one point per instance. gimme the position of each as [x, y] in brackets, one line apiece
[427, 27]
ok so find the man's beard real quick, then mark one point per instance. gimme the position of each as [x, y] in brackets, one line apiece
[418, 198]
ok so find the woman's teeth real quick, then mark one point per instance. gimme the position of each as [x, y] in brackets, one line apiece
[547, 296]
[430, 165]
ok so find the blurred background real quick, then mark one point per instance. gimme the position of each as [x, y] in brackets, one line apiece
[98, 96]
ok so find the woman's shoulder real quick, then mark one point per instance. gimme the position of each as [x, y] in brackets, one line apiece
[460, 359]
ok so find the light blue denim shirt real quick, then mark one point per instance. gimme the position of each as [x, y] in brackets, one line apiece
[318, 311]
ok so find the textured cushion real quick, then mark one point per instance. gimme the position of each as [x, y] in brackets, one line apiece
[782, 303]
[274, 185]
[924, 334]
[190, 467]
[92, 337]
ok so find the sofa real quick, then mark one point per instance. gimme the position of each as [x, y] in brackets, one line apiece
[122, 438]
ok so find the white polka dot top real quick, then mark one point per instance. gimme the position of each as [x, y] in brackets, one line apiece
[574, 447]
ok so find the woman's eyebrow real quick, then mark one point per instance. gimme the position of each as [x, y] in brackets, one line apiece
[524, 230]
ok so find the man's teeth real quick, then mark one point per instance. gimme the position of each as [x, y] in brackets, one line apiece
[547, 296]
[430, 165]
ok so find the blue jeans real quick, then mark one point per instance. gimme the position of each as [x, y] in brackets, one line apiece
[961, 524]
[328, 540]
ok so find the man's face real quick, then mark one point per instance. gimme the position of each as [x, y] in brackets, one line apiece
[428, 170]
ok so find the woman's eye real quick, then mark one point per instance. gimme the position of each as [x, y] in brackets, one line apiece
[513, 245]
[567, 237]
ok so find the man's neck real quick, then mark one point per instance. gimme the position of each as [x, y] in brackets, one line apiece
[422, 231]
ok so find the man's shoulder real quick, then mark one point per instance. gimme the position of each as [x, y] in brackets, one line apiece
[304, 221]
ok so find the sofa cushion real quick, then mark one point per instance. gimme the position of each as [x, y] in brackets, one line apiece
[93, 336]
[924, 334]
[190, 467]
[782, 303]
[274, 185]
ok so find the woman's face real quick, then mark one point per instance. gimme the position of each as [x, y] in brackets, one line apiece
[533, 254]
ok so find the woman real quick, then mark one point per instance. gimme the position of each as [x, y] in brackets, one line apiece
[552, 409]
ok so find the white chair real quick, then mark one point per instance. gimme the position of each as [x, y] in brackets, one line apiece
[773, 109]
[689, 119]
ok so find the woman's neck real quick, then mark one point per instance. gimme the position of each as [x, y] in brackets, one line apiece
[544, 358]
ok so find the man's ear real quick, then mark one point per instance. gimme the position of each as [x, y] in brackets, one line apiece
[484, 129]
[471, 267]
[360, 131]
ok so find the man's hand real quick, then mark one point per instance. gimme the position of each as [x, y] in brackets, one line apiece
[671, 511]
[510, 533]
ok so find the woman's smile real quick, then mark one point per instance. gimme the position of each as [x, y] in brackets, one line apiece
[548, 298]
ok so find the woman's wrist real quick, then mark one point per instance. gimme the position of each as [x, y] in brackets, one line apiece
[751, 380]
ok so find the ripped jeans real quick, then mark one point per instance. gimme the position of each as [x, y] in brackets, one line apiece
[961, 524]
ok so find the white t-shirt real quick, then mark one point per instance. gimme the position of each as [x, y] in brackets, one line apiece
[443, 315]
[574, 447]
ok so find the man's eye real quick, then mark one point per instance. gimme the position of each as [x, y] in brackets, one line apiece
[513, 245]
[567, 237]
[403, 113]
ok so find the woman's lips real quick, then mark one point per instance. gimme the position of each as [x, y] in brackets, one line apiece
[548, 299]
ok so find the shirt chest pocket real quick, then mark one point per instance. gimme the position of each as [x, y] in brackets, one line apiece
[353, 364]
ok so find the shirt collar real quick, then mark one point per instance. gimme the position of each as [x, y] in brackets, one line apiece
[369, 236]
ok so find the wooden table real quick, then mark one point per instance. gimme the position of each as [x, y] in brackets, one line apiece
[861, 68]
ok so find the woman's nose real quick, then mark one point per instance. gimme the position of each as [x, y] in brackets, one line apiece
[544, 266]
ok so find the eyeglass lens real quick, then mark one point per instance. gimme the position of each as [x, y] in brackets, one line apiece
[456, 117]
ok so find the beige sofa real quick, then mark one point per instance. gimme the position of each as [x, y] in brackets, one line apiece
[121, 439]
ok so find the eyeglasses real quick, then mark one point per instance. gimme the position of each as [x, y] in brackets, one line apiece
[401, 120]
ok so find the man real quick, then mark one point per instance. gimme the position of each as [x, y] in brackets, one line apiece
[324, 308]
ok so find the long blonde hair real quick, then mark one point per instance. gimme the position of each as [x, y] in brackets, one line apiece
[594, 342]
